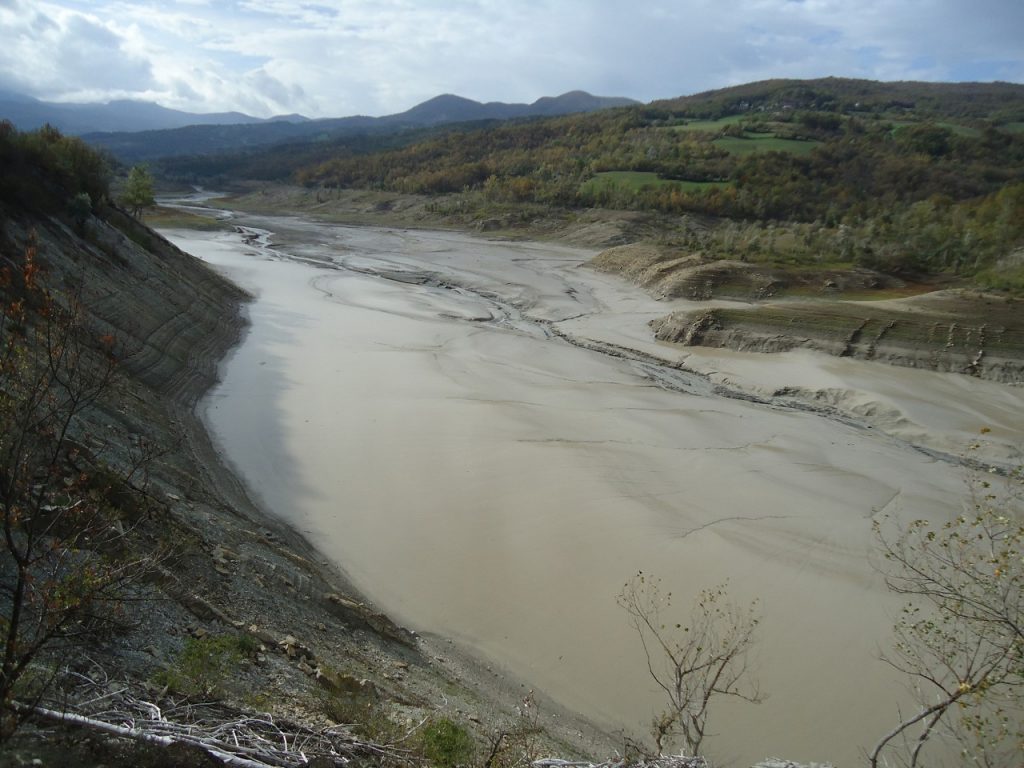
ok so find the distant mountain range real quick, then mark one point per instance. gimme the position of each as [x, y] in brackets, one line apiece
[27, 113]
[135, 130]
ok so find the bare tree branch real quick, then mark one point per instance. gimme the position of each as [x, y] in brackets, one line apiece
[960, 637]
[693, 663]
[58, 583]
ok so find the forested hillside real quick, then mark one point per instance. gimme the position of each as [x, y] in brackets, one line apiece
[994, 101]
[47, 172]
[935, 187]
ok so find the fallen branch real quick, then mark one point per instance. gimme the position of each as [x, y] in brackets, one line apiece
[140, 734]
[231, 736]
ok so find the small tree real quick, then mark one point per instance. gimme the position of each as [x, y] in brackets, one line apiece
[80, 208]
[138, 190]
[960, 637]
[61, 564]
[692, 663]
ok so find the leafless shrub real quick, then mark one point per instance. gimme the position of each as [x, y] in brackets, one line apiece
[695, 662]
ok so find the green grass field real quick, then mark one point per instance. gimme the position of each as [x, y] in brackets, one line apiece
[698, 186]
[634, 181]
[631, 180]
[755, 142]
[958, 129]
[711, 126]
[962, 130]
[174, 218]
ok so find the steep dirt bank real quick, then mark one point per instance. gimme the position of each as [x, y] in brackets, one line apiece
[671, 274]
[824, 309]
[232, 571]
[952, 331]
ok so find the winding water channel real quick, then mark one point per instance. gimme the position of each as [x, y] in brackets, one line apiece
[460, 424]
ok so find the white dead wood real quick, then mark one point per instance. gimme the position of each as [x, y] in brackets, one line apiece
[235, 738]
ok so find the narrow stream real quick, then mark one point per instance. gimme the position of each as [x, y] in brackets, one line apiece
[412, 401]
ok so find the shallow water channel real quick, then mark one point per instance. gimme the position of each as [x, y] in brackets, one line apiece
[405, 399]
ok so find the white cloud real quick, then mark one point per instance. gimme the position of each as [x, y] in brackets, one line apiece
[54, 52]
[337, 57]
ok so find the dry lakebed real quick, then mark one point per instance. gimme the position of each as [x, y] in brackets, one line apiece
[486, 437]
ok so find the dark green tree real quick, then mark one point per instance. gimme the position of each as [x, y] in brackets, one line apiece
[138, 190]
[80, 208]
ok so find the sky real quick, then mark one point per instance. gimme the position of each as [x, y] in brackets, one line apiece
[331, 58]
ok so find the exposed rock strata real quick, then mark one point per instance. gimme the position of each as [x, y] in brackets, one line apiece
[668, 273]
[961, 332]
[917, 337]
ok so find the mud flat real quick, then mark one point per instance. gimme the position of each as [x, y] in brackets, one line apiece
[488, 440]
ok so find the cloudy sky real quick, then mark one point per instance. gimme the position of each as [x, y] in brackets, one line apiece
[341, 57]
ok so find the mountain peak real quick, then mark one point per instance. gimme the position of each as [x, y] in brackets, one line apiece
[445, 108]
[450, 108]
[578, 101]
